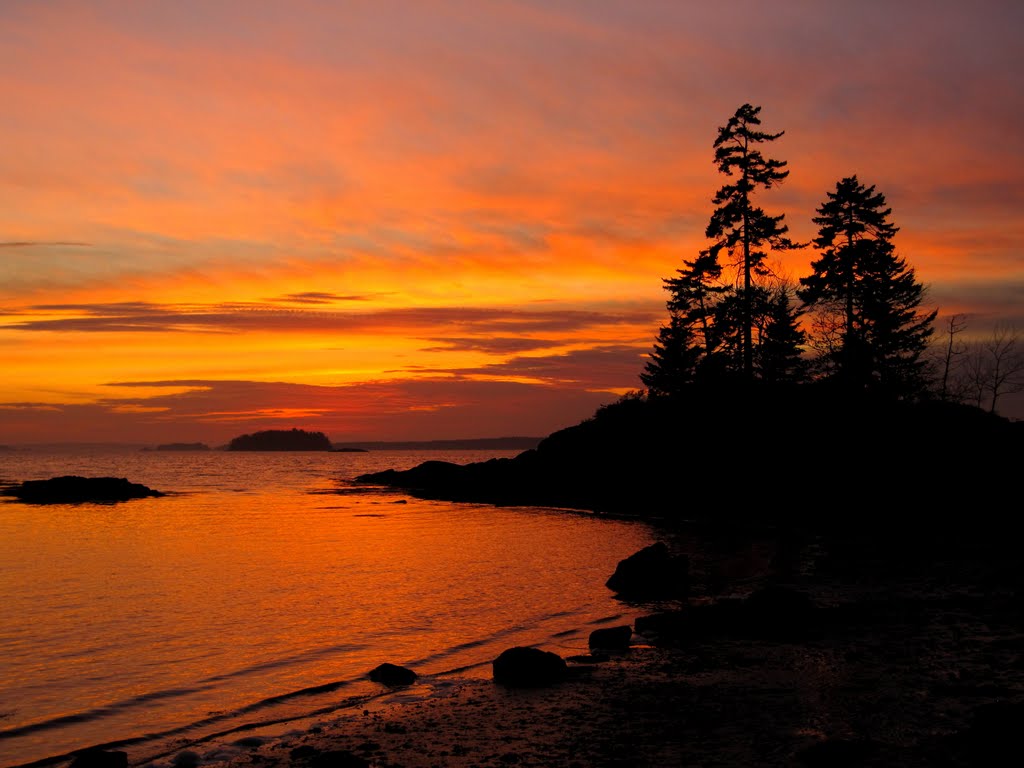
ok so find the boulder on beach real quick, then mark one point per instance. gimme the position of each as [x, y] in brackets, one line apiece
[392, 675]
[74, 489]
[653, 572]
[611, 638]
[523, 667]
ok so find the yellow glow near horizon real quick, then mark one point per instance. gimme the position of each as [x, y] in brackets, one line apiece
[480, 204]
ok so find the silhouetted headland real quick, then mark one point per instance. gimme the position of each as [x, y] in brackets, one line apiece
[183, 447]
[281, 440]
[797, 454]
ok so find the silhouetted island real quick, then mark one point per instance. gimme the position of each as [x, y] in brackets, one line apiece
[74, 489]
[281, 440]
[183, 447]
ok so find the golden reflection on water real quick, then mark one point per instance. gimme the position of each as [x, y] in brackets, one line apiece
[258, 581]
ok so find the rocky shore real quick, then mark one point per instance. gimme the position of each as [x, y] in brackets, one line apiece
[790, 649]
[850, 594]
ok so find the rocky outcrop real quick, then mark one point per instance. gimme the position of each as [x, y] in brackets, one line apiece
[392, 675]
[666, 461]
[653, 572]
[522, 667]
[774, 612]
[74, 489]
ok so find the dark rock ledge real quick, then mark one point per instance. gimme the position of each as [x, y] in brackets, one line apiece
[74, 489]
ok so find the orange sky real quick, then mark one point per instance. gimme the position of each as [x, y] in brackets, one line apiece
[397, 220]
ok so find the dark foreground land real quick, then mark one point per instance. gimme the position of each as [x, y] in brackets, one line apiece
[855, 597]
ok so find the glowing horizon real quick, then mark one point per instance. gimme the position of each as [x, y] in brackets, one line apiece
[395, 221]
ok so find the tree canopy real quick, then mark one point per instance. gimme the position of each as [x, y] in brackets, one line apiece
[872, 293]
[856, 319]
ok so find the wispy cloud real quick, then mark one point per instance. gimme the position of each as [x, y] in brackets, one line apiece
[252, 316]
[315, 297]
[491, 344]
[599, 368]
[43, 244]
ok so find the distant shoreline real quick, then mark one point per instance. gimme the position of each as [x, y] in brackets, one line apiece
[469, 444]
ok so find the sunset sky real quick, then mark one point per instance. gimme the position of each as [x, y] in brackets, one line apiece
[441, 219]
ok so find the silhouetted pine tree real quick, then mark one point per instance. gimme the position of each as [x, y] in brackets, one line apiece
[779, 358]
[672, 365]
[738, 225]
[685, 344]
[860, 278]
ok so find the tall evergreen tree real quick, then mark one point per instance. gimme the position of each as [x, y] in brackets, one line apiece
[738, 225]
[884, 333]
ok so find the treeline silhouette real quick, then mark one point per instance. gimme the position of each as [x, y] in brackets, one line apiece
[734, 318]
[774, 401]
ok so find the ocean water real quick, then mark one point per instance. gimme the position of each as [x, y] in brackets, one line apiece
[262, 590]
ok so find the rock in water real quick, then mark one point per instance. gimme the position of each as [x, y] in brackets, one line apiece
[392, 675]
[521, 667]
[73, 489]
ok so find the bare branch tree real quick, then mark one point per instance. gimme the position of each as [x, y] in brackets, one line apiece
[973, 380]
[990, 369]
[951, 353]
[1006, 363]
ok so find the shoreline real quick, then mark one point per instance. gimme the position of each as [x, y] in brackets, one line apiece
[904, 655]
[904, 662]
[473, 721]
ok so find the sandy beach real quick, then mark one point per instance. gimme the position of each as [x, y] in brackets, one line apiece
[908, 662]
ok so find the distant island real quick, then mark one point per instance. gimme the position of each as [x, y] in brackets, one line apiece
[467, 444]
[183, 447]
[281, 440]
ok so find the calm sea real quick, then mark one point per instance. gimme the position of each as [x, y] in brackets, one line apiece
[263, 589]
